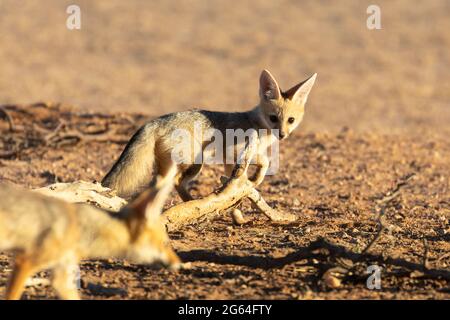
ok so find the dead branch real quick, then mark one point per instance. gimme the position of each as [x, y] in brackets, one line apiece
[381, 206]
[73, 137]
[192, 211]
[92, 128]
[258, 201]
[425, 262]
[234, 190]
[381, 228]
[8, 154]
[394, 193]
[84, 192]
[272, 214]
[48, 138]
[5, 114]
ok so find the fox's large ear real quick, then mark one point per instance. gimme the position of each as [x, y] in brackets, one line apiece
[149, 204]
[268, 86]
[299, 93]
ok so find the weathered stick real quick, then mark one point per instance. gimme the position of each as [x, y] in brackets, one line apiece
[84, 192]
[8, 118]
[191, 211]
[271, 213]
[234, 189]
[256, 198]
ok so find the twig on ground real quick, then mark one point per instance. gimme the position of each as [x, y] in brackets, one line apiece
[8, 154]
[315, 250]
[5, 114]
[392, 194]
[336, 273]
[49, 137]
[381, 206]
[85, 129]
[73, 137]
[425, 262]
[381, 228]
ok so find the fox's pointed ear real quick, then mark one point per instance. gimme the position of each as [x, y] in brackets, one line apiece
[149, 204]
[299, 93]
[268, 86]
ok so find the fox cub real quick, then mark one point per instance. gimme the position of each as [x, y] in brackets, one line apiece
[151, 146]
[47, 233]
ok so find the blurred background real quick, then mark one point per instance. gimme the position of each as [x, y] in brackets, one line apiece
[155, 57]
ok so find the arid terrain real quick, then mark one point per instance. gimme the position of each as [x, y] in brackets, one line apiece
[371, 160]
[333, 183]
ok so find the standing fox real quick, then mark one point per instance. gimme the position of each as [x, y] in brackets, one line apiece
[44, 232]
[151, 146]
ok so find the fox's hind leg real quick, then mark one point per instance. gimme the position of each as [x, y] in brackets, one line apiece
[183, 179]
[186, 171]
[262, 165]
[23, 269]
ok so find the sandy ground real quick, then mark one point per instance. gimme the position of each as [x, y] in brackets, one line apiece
[333, 185]
[379, 113]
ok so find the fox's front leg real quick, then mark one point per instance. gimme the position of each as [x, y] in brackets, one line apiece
[262, 165]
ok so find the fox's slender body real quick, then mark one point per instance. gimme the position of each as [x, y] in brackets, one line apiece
[151, 147]
[44, 232]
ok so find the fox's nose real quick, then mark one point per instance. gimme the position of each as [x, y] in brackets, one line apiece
[282, 135]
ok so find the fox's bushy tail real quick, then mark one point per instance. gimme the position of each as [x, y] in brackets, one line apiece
[133, 169]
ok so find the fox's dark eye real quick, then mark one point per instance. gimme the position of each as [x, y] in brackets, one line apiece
[291, 120]
[273, 118]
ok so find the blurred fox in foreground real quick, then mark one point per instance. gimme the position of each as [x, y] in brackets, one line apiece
[151, 147]
[47, 233]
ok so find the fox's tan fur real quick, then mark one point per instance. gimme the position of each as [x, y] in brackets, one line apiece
[150, 148]
[44, 232]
